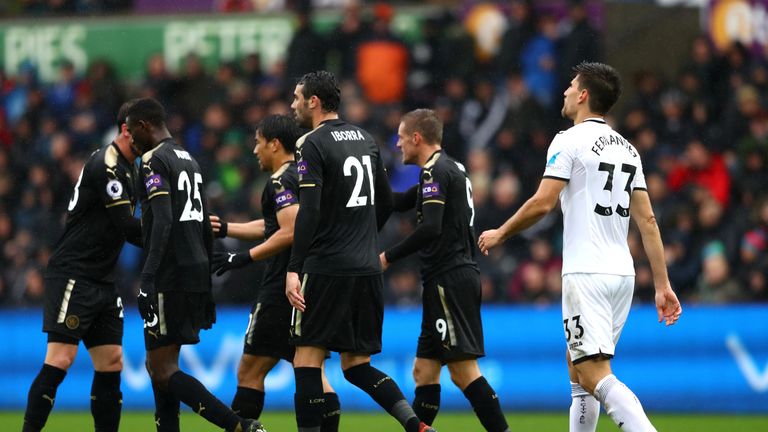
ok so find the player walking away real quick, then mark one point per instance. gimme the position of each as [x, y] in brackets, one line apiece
[597, 174]
[81, 301]
[451, 327]
[175, 297]
[267, 336]
[339, 304]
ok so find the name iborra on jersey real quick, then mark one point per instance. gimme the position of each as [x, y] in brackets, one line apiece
[347, 135]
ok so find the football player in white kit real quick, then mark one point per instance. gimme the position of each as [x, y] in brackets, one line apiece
[598, 176]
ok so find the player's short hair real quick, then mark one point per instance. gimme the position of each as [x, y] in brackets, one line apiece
[122, 113]
[602, 82]
[425, 122]
[282, 127]
[147, 109]
[324, 85]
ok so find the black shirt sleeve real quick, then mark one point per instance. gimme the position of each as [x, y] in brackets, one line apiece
[428, 230]
[124, 221]
[404, 201]
[383, 195]
[307, 221]
[158, 190]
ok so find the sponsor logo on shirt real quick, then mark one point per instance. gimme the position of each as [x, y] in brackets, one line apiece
[551, 161]
[285, 198]
[302, 167]
[430, 190]
[153, 182]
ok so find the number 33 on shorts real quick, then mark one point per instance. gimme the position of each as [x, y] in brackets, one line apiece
[573, 328]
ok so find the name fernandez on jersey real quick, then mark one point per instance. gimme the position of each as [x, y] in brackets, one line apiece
[613, 139]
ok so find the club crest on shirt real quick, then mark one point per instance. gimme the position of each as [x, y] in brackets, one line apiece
[153, 182]
[285, 198]
[429, 190]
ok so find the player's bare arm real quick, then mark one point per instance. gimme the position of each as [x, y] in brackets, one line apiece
[667, 305]
[541, 203]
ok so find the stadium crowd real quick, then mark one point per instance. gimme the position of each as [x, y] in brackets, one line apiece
[703, 136]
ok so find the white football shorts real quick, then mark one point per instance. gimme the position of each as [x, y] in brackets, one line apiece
[595, 308]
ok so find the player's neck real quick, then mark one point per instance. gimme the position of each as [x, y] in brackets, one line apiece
[323, 116]
[279, 163]
[427, 153]
[124, 145]
[581, 116]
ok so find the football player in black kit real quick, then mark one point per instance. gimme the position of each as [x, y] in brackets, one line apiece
[451, 327]
[344, 198]
[175, 299]
[81, 301]
[267, 336]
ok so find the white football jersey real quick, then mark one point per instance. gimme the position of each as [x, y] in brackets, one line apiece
[602, 169]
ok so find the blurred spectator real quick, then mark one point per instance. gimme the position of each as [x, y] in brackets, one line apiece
[307, 50]
[346, 37]
[538, 61]
[522, 26]
[382, 60]
[579, 42]
[700, 170]
[716, 285]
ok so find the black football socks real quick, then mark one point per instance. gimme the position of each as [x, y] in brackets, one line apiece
[248, 402]
[106, 401]
[42, 394]
[485, 402]
[383, 389]
[309, 399]
[426, 404]
[196, 396]
[166, 410]
[332, 414]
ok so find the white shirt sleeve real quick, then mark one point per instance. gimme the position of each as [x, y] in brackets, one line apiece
[639, 181]
[559, 159]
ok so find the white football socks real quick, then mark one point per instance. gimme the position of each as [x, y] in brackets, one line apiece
[585, 410]
[622, 405]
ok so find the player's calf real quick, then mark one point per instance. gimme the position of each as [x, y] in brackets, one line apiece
[42, 394]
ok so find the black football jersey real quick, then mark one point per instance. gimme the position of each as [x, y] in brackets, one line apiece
[344, 160]
[444, 181]
[168, 169]
[91, 242]
[279, 192]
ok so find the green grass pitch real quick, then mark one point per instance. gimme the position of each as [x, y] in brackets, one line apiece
[62, 421]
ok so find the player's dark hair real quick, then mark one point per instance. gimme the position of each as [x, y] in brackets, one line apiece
[147, 109]
[322, 84]
[425, 122]
[122, 113]
[283, 128]
[602, 82]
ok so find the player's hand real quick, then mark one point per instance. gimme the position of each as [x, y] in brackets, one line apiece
[225, 261]
[146, 301]
[218, 226]
[384, 262]
[667, 305]
[293, 291]
[489, 240]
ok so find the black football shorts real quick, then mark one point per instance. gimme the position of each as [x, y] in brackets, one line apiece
[343, 314]
[180, 317]
[77, 310]
[269, 330]
[451, 327]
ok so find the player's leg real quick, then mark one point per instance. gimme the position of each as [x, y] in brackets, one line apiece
[251, 372]
[585, 409]
[104, 343]
[426, 375]
[68, 311]
[308, 400]
[106, 397]
[332, 410]
[42, 393]
[466, 375]
[595, 308]
[380, 387]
